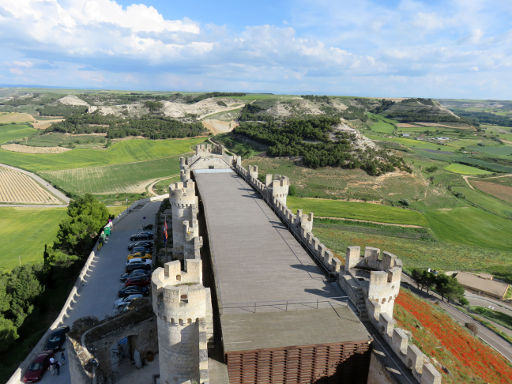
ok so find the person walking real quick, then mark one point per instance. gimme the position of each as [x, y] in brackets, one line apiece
[52, 366]
[57, 367]
[62, 359]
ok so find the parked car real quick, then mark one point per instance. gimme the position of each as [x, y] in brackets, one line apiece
[141, 236]
[141, 281]
[133, 290]
[139, 255]
[126, 300]
[138, 263]
[56, 339]
[141, 249]
[135, 272]
[146, 244]
[37, 367]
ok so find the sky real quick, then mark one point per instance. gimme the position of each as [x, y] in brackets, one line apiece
[377, 48]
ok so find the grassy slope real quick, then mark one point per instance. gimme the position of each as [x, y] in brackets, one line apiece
[356, 210]
[24, 231]
[473, 226]
[10, 132]
[466, 169]
[119, 153]
[112, 177]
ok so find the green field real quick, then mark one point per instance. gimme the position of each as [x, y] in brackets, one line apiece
[126, 151]
[23, 233]
[466, 169]
[381, 124]
[356, 210]
[10, 132]
[472, 226]
[419, 253]
[112, 178]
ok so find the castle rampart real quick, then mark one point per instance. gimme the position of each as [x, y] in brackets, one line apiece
[372, 283]
[185, 229]
[184, 317]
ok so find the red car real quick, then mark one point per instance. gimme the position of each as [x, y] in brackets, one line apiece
[140, 281]
[38, 367]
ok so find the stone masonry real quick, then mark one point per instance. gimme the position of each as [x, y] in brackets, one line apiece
[185, 228]
[184, 315]
[372, 283]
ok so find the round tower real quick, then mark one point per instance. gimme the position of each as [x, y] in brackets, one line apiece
[179, 305]
[184, 205]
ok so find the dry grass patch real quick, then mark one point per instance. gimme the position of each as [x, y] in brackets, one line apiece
[29, 149]
[503, 192]
[16, 187]
[43, 124]
[15, 117]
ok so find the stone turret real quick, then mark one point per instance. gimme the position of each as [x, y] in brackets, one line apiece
[192, 241]
[278, 187]
[184, 205]
[183, 309]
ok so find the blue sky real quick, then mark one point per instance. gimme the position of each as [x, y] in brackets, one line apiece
[450, 48]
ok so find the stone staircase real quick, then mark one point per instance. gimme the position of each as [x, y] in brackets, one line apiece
[360, 304]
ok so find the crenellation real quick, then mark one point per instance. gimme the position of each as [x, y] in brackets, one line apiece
[400, 340]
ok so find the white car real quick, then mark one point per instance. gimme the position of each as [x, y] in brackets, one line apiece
[139, 260]
[126, 300]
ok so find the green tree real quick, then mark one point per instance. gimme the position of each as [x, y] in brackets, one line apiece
[77, 233]
[23, 287]
[8, 333]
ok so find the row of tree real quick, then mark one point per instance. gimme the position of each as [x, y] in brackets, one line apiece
[446, 286]
[22, 290]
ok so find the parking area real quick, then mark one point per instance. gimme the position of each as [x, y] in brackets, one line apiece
[102, 285]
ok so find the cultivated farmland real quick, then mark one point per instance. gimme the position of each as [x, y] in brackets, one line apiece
[16, 187]
[503, 192]
[24, 232]
[128, 178]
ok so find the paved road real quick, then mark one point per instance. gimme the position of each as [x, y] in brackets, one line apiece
[495, 341]
[98, 295]
[54, 191]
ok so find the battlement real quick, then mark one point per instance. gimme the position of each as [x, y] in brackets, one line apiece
[372, 259]
[372, 284]
[304, 221]
[206, 149]
[183, 192]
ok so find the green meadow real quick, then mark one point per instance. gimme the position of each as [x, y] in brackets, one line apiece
[466, 169]
[24, 232]
[356, 210]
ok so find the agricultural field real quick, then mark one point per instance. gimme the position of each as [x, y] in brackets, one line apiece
[466, 169]
[465, 358]
[356, 210]
[16, 187]
[501, 191]
[15, 117]
[24, 232]
[10, 132]
[127, 178]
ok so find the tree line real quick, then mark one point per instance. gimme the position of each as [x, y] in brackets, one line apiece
[153, 127]
[316, 140]
[22, 291]
[446, 286]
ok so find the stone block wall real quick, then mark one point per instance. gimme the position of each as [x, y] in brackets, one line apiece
[379, 292]
[185, 228]
[184, 315]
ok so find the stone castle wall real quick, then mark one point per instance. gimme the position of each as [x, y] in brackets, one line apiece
[373, 281]
[184, 316]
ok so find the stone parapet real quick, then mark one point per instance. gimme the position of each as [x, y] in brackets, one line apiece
[379, 278]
